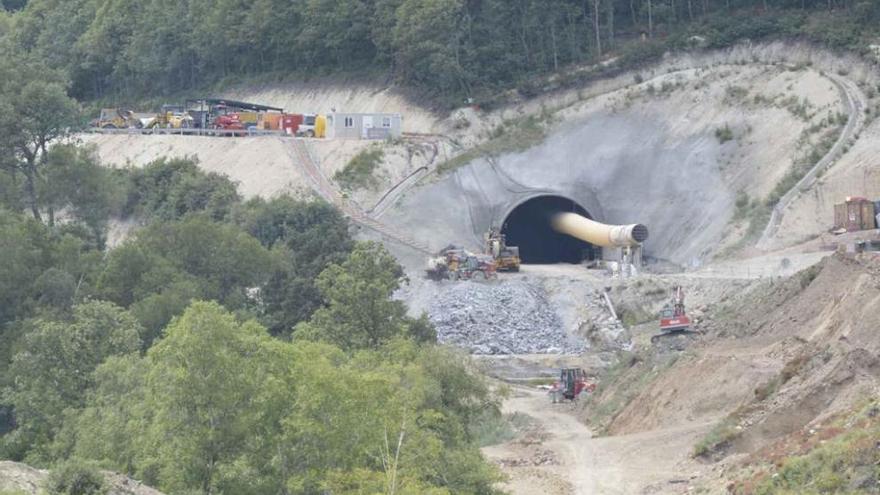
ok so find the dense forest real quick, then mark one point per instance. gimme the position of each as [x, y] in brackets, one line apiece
[302, 375]
[453, 49]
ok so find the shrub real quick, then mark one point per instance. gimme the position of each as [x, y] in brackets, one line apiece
[76, 478]
[724, 134]
[718, 438]
[359, 172]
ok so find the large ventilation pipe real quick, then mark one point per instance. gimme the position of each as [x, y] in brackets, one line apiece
[597, 233]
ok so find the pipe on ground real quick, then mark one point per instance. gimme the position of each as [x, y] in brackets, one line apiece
[599, 234]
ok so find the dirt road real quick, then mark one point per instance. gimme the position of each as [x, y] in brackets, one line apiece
[557, 454]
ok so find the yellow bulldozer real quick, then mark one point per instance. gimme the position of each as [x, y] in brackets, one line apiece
[171, 117]
[506, 257]
[117, 118]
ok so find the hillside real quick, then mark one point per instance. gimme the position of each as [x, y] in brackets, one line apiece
[469, 305]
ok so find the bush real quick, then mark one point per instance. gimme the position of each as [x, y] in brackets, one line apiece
[724, 134]
[76, 478]
[718, 438]
[359, 171]
[171, 189]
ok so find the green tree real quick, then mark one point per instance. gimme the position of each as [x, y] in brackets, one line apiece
[167, 265]
[171, 189]
[306, 237]
[428, 44]
[360, 312]
[35, 111]
[73, 179]
[54, 368]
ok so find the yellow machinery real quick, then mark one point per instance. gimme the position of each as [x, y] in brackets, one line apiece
[506, 257]
[171, 117]
[116, 118]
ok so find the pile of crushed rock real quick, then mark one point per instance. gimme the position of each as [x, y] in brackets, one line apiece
[509, 317]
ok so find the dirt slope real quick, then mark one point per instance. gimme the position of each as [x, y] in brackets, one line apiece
[557, 455]
[774, 359]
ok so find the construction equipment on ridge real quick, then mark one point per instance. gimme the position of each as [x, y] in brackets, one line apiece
[673, 319]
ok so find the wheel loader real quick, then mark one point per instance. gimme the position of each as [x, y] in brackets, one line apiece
[506, 257]
[117, 118]
[453, 263]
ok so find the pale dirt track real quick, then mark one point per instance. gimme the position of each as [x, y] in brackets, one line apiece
[561, 457]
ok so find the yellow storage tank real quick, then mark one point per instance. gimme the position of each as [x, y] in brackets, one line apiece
[321, 126]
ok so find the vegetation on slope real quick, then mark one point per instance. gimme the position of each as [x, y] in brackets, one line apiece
[224, 347]
[359, 172]
[838, 457]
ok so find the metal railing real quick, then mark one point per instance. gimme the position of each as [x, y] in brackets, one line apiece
[187, 132]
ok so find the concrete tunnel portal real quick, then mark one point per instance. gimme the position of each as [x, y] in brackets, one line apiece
[529, 226]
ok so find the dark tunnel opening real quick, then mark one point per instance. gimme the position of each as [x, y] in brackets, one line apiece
[528, 226]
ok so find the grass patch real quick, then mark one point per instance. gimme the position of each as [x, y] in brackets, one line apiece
[359, 172]
[511, 136]
[755, 214]
[802, 166]
[724, 134]
[718, 438]
[493, 428]
[847, 463]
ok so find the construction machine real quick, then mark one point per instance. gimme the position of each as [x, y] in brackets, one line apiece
[172, 117]
[673, 319]
[572, 382]
[117, 118]
[454, 263]
[506, 257]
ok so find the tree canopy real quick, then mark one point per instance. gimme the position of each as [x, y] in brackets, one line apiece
[454, 49]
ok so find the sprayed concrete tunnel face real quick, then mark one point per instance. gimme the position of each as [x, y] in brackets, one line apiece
[529, 226]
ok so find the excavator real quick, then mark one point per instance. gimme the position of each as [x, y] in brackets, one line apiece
[673, 319]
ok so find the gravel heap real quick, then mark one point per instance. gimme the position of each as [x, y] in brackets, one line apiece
[500, 317]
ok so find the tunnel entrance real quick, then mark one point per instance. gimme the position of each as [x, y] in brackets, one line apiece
[528, 226]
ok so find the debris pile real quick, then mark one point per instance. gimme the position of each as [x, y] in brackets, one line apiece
[511, 317]
[603, 329]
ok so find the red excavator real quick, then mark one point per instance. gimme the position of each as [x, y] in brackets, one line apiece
[673, 319]
[572, 381]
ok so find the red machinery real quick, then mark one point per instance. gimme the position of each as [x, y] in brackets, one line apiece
[572, 382]
[673, 319]
[228, 122]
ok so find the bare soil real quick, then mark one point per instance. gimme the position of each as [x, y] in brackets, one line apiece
[558, 455]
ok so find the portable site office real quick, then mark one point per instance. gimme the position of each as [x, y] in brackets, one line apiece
[364, 125]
